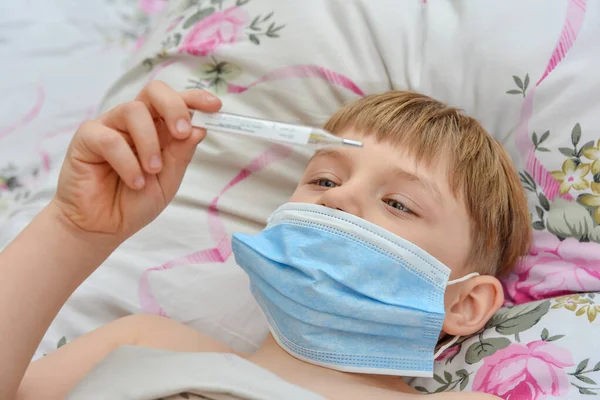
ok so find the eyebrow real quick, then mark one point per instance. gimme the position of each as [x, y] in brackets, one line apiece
[400, 173]
[426, 184]
[331, 153]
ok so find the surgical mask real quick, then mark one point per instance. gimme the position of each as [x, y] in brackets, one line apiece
[343, 293]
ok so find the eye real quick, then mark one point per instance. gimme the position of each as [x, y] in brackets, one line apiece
[323, 182]
[397, 205]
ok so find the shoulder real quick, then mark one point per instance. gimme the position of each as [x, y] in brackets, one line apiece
[165, 333]
[75, 359]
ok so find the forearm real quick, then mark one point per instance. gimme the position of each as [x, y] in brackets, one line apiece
[39, 270]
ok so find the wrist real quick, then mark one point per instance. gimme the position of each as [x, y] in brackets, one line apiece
[75, 238]
[40, 269]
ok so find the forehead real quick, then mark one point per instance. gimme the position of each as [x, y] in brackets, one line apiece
[431, 148]
[392, 162]
[389, 149]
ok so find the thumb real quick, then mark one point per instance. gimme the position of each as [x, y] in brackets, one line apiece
[176, 158]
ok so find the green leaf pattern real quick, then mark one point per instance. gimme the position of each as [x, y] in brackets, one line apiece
[261, 27]
[579, 177]
[522, 85]
[499, 334]
[215, 76]
[484, 348]
[510, 321]
[459, 380]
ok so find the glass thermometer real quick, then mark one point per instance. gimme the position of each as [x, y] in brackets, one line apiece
[269, 130]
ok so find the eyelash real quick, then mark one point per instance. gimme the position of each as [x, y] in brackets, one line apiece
[320, 180]
[403, 208]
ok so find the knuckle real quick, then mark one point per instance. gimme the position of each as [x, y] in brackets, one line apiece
[178, 107]
[134, 107]
[88, 126]
[157, 84]
[109, 140]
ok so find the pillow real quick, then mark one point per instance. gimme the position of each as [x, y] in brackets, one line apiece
[239, 51]
[53, 88]
[299, 63]
[531, 351]
[556, 143]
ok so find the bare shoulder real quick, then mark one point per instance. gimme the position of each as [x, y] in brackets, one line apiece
[75, 359]
[165, 333]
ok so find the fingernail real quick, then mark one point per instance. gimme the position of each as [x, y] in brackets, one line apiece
[183, 126]
[139, 182]
[155, 162]
[211, 98]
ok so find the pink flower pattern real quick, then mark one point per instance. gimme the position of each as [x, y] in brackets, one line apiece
[139, 43]
[554, 268]
[221, 27]
[152, 7]
[448, 353]
[525, 372]
[173, 24]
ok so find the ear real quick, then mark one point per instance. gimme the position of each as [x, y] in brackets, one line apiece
[470, 304]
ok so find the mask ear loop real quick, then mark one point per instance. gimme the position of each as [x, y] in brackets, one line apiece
[455, 338]
[445, 347]
[464, 278]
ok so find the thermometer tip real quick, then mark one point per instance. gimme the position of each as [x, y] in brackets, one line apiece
[354, 143]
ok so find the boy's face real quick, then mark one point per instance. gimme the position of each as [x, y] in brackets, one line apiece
[386, 186]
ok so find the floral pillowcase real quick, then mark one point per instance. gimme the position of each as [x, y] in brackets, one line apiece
[557, 151]
[559, 167]
[531, 351]
[565, 256]
[542, 346]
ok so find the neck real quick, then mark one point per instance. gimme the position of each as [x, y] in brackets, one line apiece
[272, 357]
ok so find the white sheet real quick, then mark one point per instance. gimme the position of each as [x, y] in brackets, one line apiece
[472, 54]
[57, 60]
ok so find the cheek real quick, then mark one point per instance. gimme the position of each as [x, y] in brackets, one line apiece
[446, 242]
[302, 195]
[453, 245]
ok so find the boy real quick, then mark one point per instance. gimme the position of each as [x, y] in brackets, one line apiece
[427, 174]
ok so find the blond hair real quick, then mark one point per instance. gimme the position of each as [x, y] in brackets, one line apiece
[481, 172]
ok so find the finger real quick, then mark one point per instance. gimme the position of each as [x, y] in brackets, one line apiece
[164, 136]
[177, 157]
[135, 120]
[106, 144]
[164, 102]
[201, 100]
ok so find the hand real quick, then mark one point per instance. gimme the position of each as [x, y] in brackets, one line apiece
[123, 169]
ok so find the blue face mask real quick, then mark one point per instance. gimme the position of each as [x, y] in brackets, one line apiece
[343, 293]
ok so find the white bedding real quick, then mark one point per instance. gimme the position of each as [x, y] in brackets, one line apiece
[520, 67]
[49, 85]
[58, 59]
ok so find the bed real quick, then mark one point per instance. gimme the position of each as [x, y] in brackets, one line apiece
[528, 71]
